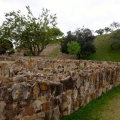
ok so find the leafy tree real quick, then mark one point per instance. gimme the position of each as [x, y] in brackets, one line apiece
[56, 32]
[115, 40]
[73, 48]
[66, 39]
[5, 45]
[31, 32]
[100, 31]
[115, 25]
[107, 29]
[85, 39]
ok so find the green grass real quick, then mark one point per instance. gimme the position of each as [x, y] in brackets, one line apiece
[55, 41]
[95, 110]
[54, 53]
[103, 50]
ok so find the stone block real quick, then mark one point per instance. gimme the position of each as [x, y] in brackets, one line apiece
[43, 86]
[37, 105]
[58, 88]
[45, 106]
[29, 110]
[33, 117]
[40, 115]
[2, 107]
[36, 91]
[15, 91]
[3, 92]
[68, 83]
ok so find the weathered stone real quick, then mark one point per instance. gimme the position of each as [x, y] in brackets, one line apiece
[64, 105]
[64, 97]
[9, 107]
[58, 88]
[2, 107]
[29, 110]
[78, 82]
[33, 117]
[45, 106]
[67, 83]
[52, 87]
[43, 86]
[68, 92]
[16, 91]
[56, 114]
[19, 78]
[39, 64]
[23, 94]
[37, 105]
[55, 102]
[36, 90]
[40, 115]
[3, 92]
[10, 114]
[44, 98]
[23, 103]
[0, 83]
[69, 101]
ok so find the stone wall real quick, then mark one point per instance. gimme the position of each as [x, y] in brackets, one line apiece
[42, 89]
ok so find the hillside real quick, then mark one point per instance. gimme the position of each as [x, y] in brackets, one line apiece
[104, 52]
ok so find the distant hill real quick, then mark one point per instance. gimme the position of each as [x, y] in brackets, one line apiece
[104, 52]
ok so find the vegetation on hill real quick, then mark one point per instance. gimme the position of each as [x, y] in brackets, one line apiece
[103, 49]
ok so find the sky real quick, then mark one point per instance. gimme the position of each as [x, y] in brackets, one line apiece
[71, 14]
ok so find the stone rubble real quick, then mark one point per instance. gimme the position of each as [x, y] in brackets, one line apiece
[44, 89]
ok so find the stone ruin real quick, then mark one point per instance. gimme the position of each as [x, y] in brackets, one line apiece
[43, 89]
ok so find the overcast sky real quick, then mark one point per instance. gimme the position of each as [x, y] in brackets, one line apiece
[71, 14]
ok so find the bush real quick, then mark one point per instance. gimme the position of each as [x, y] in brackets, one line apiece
[73, 48]
[27, 53]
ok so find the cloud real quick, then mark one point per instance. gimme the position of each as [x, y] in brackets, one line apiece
[93, 14]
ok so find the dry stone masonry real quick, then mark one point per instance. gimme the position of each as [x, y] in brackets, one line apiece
[43, 89]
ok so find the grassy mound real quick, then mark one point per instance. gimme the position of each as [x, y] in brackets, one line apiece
[103, 50]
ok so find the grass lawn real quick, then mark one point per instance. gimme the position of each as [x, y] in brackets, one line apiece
[103, 50]
[106, 107]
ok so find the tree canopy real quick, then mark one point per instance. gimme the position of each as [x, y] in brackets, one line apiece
[73, 48]
[33, 33]
[115, 40]
[85, 39]
[115, 25]
[5, 45]
[100, 31]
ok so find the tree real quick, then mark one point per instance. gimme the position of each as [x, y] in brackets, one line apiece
[73, 48]
[57, 32]
[100, 31]
[115, 25]
[30, 32]
[115, 40]
[66, 39]
[5, 45]
[107, 29]
[85, 39]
